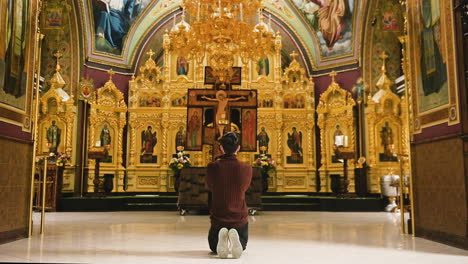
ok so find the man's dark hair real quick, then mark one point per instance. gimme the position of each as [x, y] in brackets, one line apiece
[230, 142]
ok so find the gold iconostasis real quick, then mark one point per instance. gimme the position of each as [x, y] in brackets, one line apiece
[143, 136]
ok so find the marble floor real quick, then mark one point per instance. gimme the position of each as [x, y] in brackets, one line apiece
[275, 237]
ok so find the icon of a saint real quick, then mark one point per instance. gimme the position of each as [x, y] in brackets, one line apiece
[386, 135]
[182, 66]
[263, 66]
[53, 137]
[248, 137]
[180, 140]
[105, 136]
[148, 141]
[263, 141]
[295, 145]
[194, 129]
[113, 18]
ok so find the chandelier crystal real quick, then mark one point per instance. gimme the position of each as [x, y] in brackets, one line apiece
[221, 31]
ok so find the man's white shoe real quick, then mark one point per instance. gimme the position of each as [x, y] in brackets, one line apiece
[223, 248]
[236, 247]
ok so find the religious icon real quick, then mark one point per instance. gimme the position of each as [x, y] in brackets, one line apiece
[295, 145]
[105, 137]
[53, 137]
[148, 141]
[179, 101]
[387, 142]
[112, 19]
[263, 141]
[249, 123]
[433, 66]
[294, 102]
[182, 66]
[180, 140]
[236, 77]
[263, 66]
[194, 129]
[53, 18]
[330, 19]
[221, 117]
[389, 22]
[12, 59]
[149, 101]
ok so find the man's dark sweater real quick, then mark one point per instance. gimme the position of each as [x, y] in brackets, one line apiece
[228, 179]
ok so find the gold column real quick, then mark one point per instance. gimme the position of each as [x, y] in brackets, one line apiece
[406, 69]
[39, 37]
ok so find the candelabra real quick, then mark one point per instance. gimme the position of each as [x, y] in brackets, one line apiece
[221, 31]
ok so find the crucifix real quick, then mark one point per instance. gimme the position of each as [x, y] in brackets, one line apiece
[221, 118]
[242, 103]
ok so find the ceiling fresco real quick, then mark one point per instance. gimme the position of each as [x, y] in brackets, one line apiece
[308, 24]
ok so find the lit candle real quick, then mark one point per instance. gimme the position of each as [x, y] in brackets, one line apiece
[220, 9]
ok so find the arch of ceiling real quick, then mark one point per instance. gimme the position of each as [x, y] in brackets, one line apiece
[285, 15]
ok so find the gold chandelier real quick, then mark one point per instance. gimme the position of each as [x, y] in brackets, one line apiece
[221, 30]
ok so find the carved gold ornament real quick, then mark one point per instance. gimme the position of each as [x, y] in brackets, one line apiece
[222, 30]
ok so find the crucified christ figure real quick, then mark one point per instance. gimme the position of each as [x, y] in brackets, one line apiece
[223, 100]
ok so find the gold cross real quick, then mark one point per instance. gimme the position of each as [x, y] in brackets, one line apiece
[333, 74]
[111, 73]
[151, 53]
[294, 55]
[384, 58]
[58, 55]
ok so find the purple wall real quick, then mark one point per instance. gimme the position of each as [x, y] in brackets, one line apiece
[346, 80]
[12, 131]
[100, 77]
[438, 131]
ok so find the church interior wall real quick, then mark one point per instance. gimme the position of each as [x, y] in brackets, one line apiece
[440, 196]
[438, 148]
[15, 184]
[16, 145]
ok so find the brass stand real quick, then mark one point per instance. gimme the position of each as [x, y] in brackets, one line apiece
[345, 156]
[97, 154]
[43, 205]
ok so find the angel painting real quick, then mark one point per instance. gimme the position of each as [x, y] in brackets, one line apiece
[295, 145]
